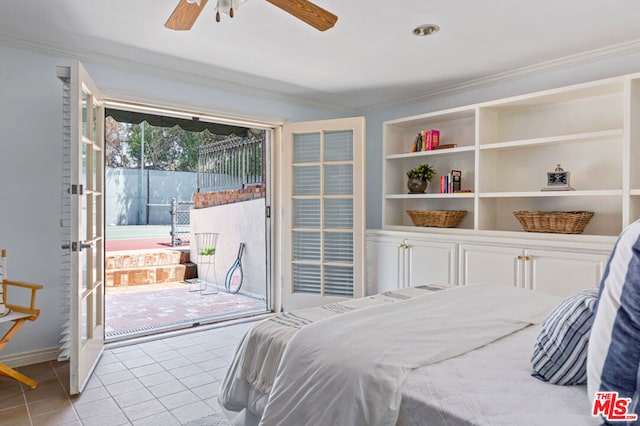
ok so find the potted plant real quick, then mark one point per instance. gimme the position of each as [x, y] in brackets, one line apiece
[419, 177]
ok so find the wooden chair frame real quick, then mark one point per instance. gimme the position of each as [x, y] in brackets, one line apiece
[18, 315]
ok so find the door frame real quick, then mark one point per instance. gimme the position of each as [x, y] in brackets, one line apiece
[270, 125]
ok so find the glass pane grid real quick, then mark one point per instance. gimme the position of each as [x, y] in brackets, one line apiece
[323, 199]
[338, 145]
[306, 180]
[306, 147]
[307, 279]
[338, 179]
[338, 281]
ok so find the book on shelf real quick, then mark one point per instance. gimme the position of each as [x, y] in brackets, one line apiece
[446, 146]
[451, 183]
[456, 180]
[426, 140]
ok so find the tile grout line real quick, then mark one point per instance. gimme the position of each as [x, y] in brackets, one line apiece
[67, 395]
[26, 404]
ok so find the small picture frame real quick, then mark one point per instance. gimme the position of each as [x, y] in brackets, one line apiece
[558, 180]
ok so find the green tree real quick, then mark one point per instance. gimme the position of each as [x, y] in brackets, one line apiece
[116, 144]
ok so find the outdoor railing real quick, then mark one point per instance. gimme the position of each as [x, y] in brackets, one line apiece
[231, 163]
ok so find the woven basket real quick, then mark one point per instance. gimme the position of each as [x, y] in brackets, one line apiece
[554, 222]
[437, 218]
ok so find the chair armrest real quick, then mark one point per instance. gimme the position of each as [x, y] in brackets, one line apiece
[23, 285]
[31, 309]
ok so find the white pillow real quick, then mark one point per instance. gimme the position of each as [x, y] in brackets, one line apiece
[614, 348]
[560, 351]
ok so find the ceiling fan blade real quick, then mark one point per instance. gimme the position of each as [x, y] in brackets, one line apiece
[308, 12]
[184, 15]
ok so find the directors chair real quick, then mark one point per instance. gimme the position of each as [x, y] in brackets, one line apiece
[18, 315]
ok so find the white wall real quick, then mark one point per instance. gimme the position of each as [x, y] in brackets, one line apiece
[235, 223]
[30, 153]
[605, 67]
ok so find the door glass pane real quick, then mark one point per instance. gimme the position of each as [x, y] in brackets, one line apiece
[338, 213]
[100, 305]
[306, 245]
[83, 172]
[94, 167]
[85, 115]
[94, 219]
[306, 180]
[338, 247]
[338, 281]
[85, 270]
[84, 324]
[306, 148]
[94, 268]
[97, 309]
[94, 125]
[338, 146]
[307, 279]
[338, 179]
[306, 213]
[88, 219]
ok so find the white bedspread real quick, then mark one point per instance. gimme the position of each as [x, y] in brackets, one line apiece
[348, 370]
[491, 386]
[253, 369]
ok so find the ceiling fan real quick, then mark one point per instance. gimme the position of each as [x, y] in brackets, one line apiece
[187, 11]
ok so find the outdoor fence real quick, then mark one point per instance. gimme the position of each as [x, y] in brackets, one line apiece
[180, 222]
[231, 163]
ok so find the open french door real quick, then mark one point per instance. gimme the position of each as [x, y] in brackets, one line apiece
[324, 212]
[86, 233]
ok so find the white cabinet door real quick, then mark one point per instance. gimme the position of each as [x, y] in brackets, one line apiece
[385, 265]
[490, 265]
[562, 273]
[431, 263]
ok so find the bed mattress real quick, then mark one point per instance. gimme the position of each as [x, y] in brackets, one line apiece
[493, 386]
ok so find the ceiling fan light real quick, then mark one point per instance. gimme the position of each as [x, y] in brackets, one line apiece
[425, 30]
[228, 7]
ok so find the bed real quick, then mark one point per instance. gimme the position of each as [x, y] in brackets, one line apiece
[482, 377]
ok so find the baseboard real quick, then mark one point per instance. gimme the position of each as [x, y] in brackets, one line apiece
[29, 358]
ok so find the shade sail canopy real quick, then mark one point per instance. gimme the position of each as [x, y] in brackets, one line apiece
[193, 125]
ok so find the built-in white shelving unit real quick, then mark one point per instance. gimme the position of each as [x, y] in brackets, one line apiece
[506, 147]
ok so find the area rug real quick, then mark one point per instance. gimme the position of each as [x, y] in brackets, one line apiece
[215, 419]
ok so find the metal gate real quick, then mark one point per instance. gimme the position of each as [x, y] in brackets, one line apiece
[180, 222]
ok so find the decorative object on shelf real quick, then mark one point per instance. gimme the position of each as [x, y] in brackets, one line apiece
[437, 218]
[419, 177]
[554, 222]
[558, 180]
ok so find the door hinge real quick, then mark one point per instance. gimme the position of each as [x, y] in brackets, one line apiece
[77, 246]
[268, 211]
[76, 189]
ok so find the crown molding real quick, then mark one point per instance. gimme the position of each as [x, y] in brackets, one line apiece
[517, 73]
[250, 90]
[166, 72]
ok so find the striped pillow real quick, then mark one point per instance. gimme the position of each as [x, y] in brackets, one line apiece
[614, 349]
[560, 352]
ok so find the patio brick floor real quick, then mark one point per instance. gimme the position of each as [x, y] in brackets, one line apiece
[145, 308]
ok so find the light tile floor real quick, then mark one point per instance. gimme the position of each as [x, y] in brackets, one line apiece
[170, 381]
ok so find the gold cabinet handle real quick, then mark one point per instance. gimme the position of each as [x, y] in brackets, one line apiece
[527, 258]
[519, 257]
